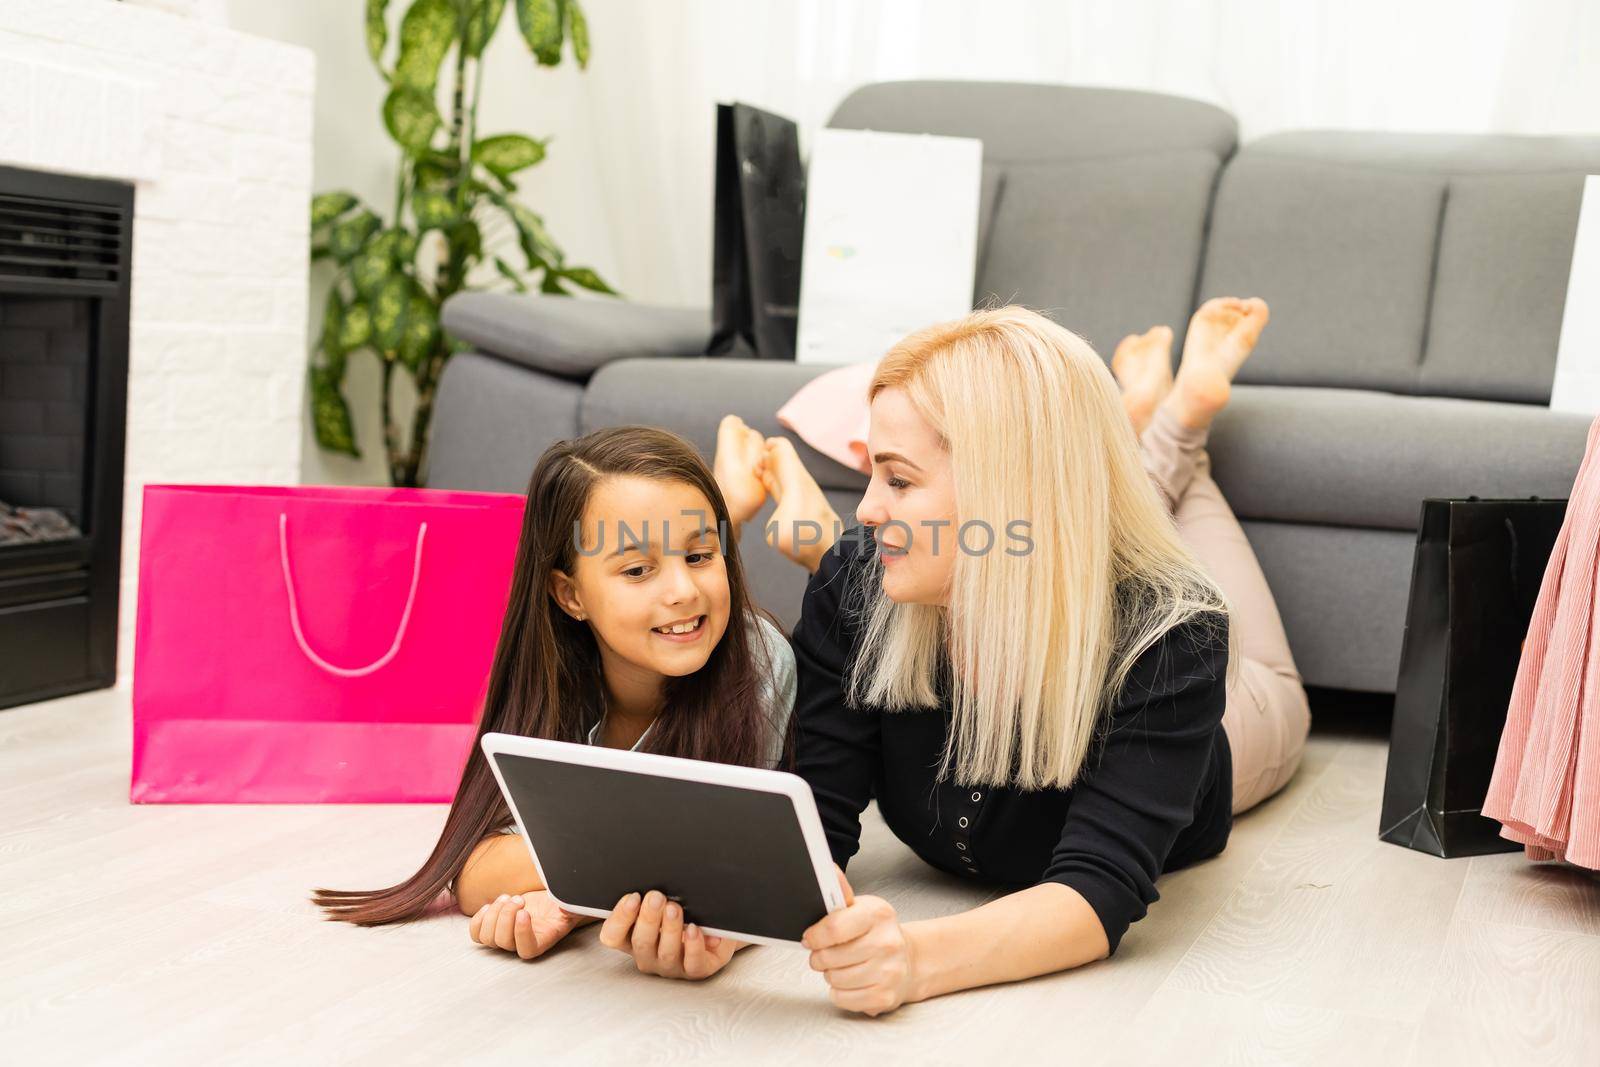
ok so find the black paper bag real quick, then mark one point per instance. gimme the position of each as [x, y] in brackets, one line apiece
[1476, 575]
[757, 234]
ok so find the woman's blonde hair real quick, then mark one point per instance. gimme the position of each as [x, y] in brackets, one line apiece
[1039, 640]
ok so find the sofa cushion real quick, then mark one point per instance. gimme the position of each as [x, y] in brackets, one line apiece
[492, 420]
[1432, 264]
[1505, 249]
[690, 397]
[1344, 457]
[570, 337]
[1099, 195]
[1348, 457]
[1034, 122]
[1107, 247]
[1342, 254]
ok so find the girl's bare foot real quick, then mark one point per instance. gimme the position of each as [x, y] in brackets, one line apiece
[1142, 365]
[804, 525]
[741, 453]
[1221, 336]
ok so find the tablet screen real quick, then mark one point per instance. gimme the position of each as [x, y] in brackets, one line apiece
[734, 858]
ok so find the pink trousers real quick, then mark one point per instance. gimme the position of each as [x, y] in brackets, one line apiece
[1267, 716]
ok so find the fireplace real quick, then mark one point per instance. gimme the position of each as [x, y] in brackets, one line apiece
[64, 263]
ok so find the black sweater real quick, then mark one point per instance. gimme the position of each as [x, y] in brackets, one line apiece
[1155, 794]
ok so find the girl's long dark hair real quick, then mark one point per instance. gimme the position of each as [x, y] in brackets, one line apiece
[546, 678]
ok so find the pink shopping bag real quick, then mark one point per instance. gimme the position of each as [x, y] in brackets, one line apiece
[314, 643]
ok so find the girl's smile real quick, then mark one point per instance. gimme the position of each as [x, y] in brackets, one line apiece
[683, 631]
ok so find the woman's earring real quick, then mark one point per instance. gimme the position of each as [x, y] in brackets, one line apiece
[580, 616]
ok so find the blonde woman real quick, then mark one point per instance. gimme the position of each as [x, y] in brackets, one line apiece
[1048, 654]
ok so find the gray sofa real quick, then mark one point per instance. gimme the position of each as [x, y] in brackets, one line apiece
[1416, 285]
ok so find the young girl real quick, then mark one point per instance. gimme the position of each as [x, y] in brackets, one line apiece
[628, 625]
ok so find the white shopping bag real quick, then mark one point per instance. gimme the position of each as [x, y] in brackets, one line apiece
[1577, 380]
[891, 240]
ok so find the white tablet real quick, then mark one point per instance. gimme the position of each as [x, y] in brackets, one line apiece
[740, 849]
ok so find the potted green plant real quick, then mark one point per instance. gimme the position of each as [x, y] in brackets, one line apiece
[452, 188]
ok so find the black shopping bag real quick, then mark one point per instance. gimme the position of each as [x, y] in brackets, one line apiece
[757, 233]
[1476, 575]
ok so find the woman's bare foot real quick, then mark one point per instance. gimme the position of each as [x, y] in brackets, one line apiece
[1221, 336]
[1142, 365]
[804, 525]
[741, 454]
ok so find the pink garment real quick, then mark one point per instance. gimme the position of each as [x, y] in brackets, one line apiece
[830, 414]
[1546, 785]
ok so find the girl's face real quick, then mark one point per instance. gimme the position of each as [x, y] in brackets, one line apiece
[650, 578]
[910, 502]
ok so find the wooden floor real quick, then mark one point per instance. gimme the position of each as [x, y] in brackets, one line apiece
[179, 935]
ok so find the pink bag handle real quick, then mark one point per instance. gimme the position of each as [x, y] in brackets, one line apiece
[294, 609]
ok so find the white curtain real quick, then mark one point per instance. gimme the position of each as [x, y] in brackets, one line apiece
[641, 134]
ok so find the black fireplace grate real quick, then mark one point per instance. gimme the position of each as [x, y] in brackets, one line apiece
[61, 239]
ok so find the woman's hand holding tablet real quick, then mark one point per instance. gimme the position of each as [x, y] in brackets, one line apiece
[863, 952]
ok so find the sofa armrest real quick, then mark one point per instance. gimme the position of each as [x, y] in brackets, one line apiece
[569, 337]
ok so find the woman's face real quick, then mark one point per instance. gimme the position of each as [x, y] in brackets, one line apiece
[649, 564]
[910, 504]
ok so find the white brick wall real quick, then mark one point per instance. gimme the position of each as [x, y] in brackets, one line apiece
[215, 128]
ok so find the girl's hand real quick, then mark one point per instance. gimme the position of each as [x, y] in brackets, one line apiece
[863, 952]
[651, 929]
[527, 924]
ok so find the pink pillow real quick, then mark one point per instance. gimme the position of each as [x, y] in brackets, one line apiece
[830, 414]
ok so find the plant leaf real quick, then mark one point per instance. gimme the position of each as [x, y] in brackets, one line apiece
[422, 330]
[541, 251]
[587, 278]
[510, 275]
[433, 208]
[377, 30]
[482, 23]
[552, 284]
[332, 323]
[426, 33]
[411, 119]
[330, 415]
[376, 261]
[507, 153]
[328, 206]
[389, 312]
[370, 266]
[405, 249]
[356, 328]
[577, 31]
[530, 224]
[436, 170]
[388, 242]
[466, 241]
[541, 28]
[350, 235]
